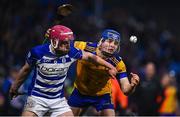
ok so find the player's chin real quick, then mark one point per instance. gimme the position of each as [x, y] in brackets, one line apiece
[110, 52]
[107, 54]
[63, 51]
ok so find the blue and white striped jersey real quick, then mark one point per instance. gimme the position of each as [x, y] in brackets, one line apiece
[50, 71]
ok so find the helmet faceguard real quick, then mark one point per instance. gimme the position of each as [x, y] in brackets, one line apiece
[60, 33]
[110, 34]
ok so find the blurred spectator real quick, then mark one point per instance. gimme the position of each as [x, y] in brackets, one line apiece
[148, 91]
[169, 98]
[2, 103]
[11, 108]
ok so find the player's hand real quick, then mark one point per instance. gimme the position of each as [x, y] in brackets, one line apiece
[13, 92]
[113, 72]
[47, 33]
[134, 79]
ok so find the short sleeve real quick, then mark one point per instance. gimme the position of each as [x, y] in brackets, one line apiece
[31, 58]
[121, 67]
[75, 53]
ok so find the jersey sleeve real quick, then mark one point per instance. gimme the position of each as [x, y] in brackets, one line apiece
[32, 57]
[121, 68]
[75, 53]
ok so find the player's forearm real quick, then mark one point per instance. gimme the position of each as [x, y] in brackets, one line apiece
[22, 75]
[101, 61]
[128, 89]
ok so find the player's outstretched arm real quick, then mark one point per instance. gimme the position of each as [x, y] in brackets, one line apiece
[91, 57]
[129, 87]
[22, 75]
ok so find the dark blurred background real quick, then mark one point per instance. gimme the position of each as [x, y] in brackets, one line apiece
[155, 56]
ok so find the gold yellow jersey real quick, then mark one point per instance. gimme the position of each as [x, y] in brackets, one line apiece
[93, 79]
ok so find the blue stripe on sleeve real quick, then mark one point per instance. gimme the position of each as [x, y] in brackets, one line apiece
[121, 75]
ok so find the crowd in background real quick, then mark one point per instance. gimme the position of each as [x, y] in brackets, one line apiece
[154, 57]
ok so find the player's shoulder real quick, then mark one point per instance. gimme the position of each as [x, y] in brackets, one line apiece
[40, 49]
[79, 44]
[75, 52]
[115, 59]
[85, 45]
[91, 47]
[92, 44]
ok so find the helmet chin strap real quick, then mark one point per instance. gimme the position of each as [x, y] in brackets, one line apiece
[55, 46]
[106, 54]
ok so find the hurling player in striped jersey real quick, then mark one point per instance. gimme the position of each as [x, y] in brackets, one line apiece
[50, 63]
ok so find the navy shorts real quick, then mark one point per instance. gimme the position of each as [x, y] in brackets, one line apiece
[99, 102]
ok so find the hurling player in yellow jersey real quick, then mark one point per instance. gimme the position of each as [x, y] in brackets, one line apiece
[93, 84]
